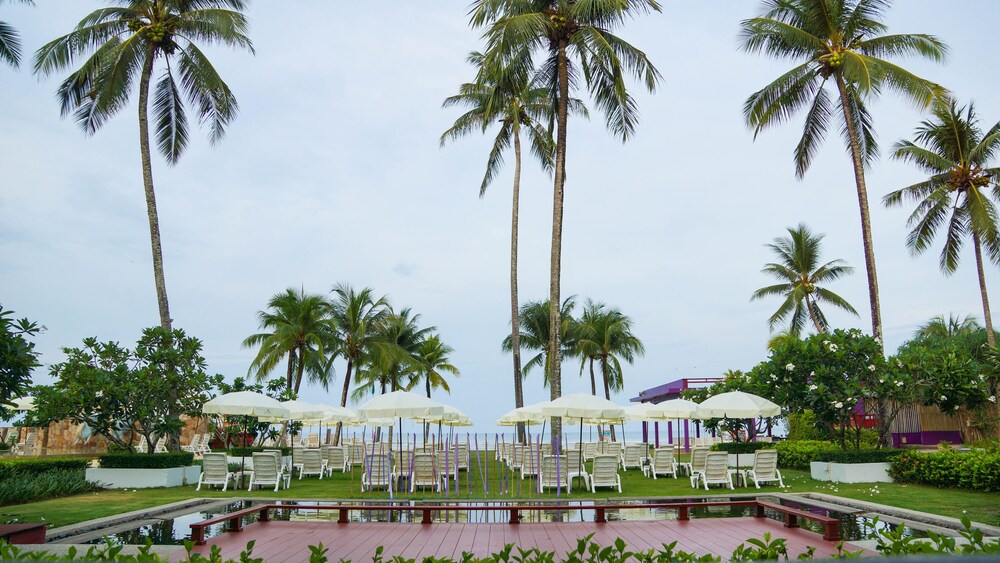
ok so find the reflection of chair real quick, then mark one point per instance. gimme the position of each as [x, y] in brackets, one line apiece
[663, 463]
[336, 460]
[765, 468]
[266, 471]
[312, 463]
[555, 473]
[632, 456]
[576, 467]
[377, 472]
[605, 473]
[214, 471]
[716, 470]
[424, 472]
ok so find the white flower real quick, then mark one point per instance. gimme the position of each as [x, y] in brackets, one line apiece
[790, 367]
[881, 380]
[993, 398]
[899, 384]
[813, 387]
[774, 377]
[838, 404]
[899, 363]
[943, 398]
[812, 374]
[871, 368]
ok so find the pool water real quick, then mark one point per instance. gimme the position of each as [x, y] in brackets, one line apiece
[173, 531]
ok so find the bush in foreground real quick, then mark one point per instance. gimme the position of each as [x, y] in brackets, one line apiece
[48, 484]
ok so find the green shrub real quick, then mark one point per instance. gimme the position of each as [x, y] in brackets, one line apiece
[796, 454]
[804, 426]
[978, 470]
[32, 466]
[48, 484]
[146, 461]
[858, 456]
[743, 447]
[237, 452]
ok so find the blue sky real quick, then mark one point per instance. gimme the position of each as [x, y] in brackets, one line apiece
[332, 173]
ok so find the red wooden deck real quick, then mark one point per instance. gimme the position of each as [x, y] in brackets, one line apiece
[289, 541]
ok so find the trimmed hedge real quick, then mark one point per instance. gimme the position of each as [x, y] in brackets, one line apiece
[859, 456]
[796, 454]
[33, 466]
[146, 461]
[49, 484]
[978, 470]
[237, 452]
[742, 447]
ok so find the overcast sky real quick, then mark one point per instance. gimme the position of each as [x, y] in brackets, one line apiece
[332, 173]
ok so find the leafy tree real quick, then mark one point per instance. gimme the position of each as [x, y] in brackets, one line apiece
[10, 42]
[433, 363]
[506, 95]
[534, 318]
[17, 358]
[230, 427]
[300, 328]
[120, 393]
[576, 39]
[799, 270]
[938, 327]
[392, 354]
[126, 42]
[356, 317]
[955, 151]
[836, 42]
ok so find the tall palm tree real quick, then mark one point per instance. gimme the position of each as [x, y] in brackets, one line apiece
[801, 275]
[433, 363]
[836, 42]
[127, 42]
[515, 102]
[10, 42]
[356, 316]
[393, 353]
[576, 39]
[534, 316]
[939, 327]
[299, 327]
[953, 149]
[605, 334]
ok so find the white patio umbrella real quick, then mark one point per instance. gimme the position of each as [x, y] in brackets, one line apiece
[401, 404]
[245, 403]
[674, 409]
[584, 406]
[736, 404]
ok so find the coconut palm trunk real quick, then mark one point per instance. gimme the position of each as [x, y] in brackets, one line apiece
[343, 398]
[555, 379]
[990, 337]
[866, 225]
[147, 181]
[812, 315]
[593, 380]
[515, 332]
[607, 389]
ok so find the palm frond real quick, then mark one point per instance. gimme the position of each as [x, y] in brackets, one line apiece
[171, 121]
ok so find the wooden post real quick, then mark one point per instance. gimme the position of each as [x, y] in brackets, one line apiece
[426, 517]
[342, 519]
[682, 513]
[515, 517]
[265, 515]
[599, 516]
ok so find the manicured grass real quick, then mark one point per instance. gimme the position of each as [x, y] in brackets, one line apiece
[981, 507]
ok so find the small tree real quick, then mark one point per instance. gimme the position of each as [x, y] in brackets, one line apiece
[228, 428]
[17, 359]
[120, 392]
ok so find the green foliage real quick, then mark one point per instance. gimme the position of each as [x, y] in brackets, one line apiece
[764, 549]
[896, 542]
[142, 461]
[955, 371]
[797, 454]
[113, 389]
[804, 426]
[977, 470]
[17, 467]
[17, 358]
[742, 447]
[858, 456]
[31, 487]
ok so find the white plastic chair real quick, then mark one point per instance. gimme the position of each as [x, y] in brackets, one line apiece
[377, 472]
[312, 463]
[424, 472]
[555, 473]
[215, 471]
[764, 469]
[577, 468]
[663, 463]
[605, 473]
[266, 471]
[716, 470]
[632, 456]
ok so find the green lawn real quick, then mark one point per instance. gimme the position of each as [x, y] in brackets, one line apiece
[981, 507]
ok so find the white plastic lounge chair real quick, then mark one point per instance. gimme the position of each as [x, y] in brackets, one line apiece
[632, 456]
[424, 472]
[461, 453]
[446, 466]
[279, 456]
[312, 463]
[613, 448]
[336, 460]
[517, 460]
[266, 471]
[576, 468]
[589, 451]
[377, 472]
[161, 446]
[696, 464]
[27, 446]
[764, 469]
[555, 473]
[716, 470]
[529, 465]
[605, 473]
[663, 463]
[215, 471]
[313, 440]
[143, 445]
[297, 460]
[507, 452]
[193, 445]
[357, 453]
[402, 461]
[206, 443]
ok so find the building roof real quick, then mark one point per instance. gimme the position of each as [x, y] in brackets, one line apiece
[672, 390]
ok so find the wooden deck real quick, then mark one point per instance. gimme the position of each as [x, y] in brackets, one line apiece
[289, 541]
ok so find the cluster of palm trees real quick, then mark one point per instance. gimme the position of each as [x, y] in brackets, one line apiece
[601, 335]
[385, 349]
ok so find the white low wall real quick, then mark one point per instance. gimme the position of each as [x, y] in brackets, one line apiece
[249, 460]
[850, 472]
[144, 478]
